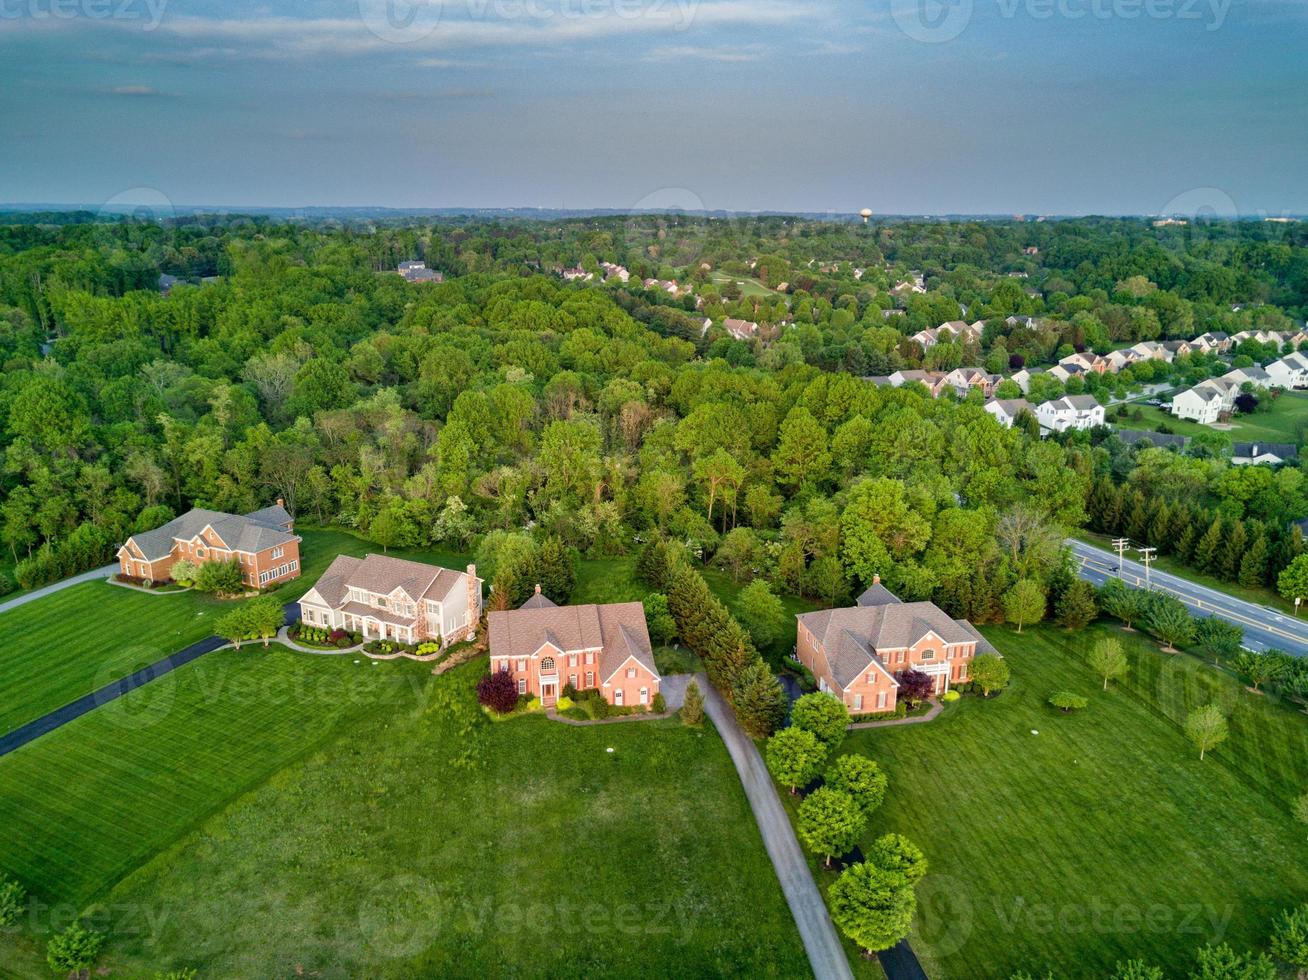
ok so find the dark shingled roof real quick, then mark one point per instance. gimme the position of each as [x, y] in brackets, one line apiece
[616, 629]
[250, 532]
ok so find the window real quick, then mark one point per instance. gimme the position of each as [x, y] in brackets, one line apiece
[547, 665]
[858, 702]
[881, 699]
[504, 665]
[590, 678]
[295, 563]
[617, 696]
[949, 654]
[522, 685]
[590, 658]
[522, 664]
[631, 673]
[278, 552]
[199, 552]
[927, 654]
[572, 679]
[572, 660]
[644, 695]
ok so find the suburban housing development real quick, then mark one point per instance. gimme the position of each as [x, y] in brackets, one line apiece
[546, 647]
[855, 652]
[395, 599]
[263, 541]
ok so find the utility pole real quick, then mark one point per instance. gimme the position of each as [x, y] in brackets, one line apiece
[1121, 544]
[1147, 557]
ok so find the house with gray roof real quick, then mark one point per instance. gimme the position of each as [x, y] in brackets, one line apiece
[263, 542]
[546, 648]
[394, 599]
[859, 653]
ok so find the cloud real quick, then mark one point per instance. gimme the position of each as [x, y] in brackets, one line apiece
[690, 52]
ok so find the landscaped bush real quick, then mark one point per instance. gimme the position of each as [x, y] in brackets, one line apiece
[660, 704]
[950, 695]
[914, 686]
[12, 896]
[427, 648]
[900, 710]
[1067, 702]
[219, 578]
[498, 691]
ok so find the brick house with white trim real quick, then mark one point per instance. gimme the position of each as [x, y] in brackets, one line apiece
[546, 647]
[855, 652]
[263, 541]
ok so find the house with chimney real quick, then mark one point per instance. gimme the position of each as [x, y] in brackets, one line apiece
[546, 647]
[387, 598]
[856, 653]
[264, 542]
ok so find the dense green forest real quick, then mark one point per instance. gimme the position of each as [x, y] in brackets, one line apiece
[505, 402]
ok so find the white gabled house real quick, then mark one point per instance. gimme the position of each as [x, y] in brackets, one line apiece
[1070, 412]
[1204, 405]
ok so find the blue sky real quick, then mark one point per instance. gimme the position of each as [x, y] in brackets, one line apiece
[904, 106]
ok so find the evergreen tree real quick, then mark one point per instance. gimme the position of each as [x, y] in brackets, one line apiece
[1228, 559]
[1137, 520]
[1160, 528]
[1077, 607]
[1253, 566]
[556, 567]
[1183, 547]
[1208, 551]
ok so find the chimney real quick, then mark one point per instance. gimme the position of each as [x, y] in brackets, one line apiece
[538, 588]
[281, 502]
[474, 599]
[876, 579]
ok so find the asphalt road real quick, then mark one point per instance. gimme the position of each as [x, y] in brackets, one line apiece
[1264, 628]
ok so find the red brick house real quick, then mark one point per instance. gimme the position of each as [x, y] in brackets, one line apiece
[263, 542]
[856, 652]
[546, 647]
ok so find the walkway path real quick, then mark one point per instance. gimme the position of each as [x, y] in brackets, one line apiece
[46, 590]
[825, 953]
[935, 709]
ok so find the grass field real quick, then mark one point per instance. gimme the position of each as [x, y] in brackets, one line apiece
[749, 286]
[1282, 423]
[391, 834]
[1103, 837]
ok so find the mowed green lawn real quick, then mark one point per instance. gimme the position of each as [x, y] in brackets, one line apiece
[1281, 423]
[422, 840]
[1103, 837]
[65, 645]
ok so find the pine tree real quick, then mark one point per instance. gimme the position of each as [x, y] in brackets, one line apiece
[1228, 560]
[1160, 530]
[1208, 550]
[1183, 547]
[1137, 522]
[1253, 567]
[1112, 519]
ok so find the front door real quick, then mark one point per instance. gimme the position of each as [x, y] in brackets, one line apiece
[549, 693]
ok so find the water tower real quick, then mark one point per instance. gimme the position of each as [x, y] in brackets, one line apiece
[865, 214]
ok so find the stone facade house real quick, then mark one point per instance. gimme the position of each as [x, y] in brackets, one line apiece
[263, 541]
[856, 652]
[394, 599]
[546, 647]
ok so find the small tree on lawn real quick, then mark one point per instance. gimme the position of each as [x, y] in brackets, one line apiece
[1206, 728]
[498, 691]
[1067, 702]
[1292, 583]
[873, 907]
[1257, 669]
[895, 852]
[74, 950]
[1122, 603]
[1300, 809]
[990, 673]
[12, 896]
[1137, 970]
[692, 708]
[235, 625]
[795, 757]
[1290, 938]
[1024, 603]
[1169, 620]
[182, 572]
[861, 778]
[265, 616]
[822, 714]
[1108, 661]
[830, 822]
[1217, 638]
[1224, 963]
[1077, 607]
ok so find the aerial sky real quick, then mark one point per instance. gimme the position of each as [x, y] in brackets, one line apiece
[902, 106]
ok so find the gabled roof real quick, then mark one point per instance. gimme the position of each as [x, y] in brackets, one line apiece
[382, 575]
[538, 601]
[617, 630]
[1252, 450]
[877, 595]
[249, 532]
